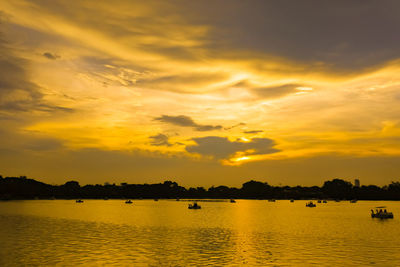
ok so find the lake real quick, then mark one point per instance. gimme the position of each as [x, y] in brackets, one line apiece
[167, 233]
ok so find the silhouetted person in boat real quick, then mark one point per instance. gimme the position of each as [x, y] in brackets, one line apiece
[380, 211]
[385, 211]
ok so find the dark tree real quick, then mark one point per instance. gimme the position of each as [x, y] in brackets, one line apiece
[338, 188]
[25, 188]
[254, 189]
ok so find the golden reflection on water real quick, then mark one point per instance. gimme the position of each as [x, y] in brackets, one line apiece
[166, 233]
[242, 220]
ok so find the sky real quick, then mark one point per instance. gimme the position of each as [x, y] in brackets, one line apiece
[200, 92]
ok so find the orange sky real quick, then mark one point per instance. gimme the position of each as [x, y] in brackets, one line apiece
[202, 93]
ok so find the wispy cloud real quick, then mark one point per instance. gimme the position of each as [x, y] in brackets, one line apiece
[17, 92]
[276, 91]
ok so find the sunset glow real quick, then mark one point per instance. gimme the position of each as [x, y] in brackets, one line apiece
[140, 91]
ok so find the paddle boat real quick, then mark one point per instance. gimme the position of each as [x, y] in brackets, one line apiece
[232, 200]
[194, 206]
[128, 201]
[381, 214]
[310, 204]
[292, 200]
[271, 200]
[353, 201]
[79, 201]
[324, 201]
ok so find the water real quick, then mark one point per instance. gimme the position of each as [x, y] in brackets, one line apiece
[166, 233]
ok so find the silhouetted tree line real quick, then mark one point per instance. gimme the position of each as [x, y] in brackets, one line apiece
[24, 188]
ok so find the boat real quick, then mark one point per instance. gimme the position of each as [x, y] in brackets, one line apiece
[324, 201]
[128, 201]
[194, 206]
[292, 200]
[381, 214]
[310, 204]
[271, 200]
[353, 201]
[79, 201]
[232, 200]
[319, 201]
[156, 199]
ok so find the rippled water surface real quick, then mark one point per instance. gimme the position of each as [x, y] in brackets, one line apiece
[166, 233]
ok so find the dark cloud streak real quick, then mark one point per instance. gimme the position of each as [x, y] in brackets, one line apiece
[253, 132]
[222, 147]
[186, 121]
[160, 140]
[50, 55]
[234, 126]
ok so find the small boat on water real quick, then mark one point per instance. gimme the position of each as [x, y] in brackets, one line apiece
[324, 201]
[310, 204]
[319, 201]
[292, 200]
[271, 200]
[194, 206]
[79, 201]
[128, 201]
[156, 199]
[353, 201]
[232, 200]
[381, 214]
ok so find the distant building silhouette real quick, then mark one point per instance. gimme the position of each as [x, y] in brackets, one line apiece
[356, 183]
